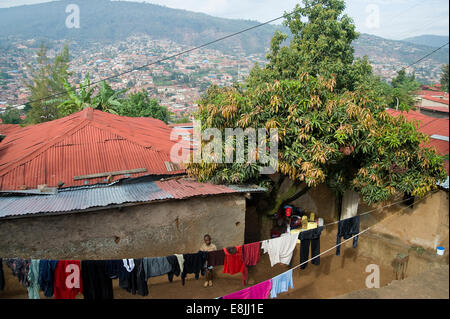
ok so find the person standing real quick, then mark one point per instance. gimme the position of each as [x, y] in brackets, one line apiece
[208, 246]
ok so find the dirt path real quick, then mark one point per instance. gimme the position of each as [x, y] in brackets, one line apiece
[432, 284]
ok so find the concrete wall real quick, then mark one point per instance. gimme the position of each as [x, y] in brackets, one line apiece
[150, 230]
[320, 200]
[426, 224]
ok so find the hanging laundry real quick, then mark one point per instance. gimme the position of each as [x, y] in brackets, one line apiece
[33, 279]
[128, 264]
[175, 267]
[194, 264]
[216, 258]
[156, 266]
[234, 262]
[347, 228]
[67, 283]
[280, 249]
[310, 238]
[2, 277]
[96, 278]
[134, 281]
[251, 254]
[281, 283]
[19, 268]
[180, 261]
[112, 267]
[258, 291]
[46, 276]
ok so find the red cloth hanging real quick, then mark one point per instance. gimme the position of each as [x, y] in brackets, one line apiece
[67, 279]
[251, 254]
[234, 263]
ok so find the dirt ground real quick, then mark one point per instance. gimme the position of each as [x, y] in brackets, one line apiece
[432, 284]
[335, 276]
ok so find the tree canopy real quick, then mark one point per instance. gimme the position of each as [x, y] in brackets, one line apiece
[331, 118]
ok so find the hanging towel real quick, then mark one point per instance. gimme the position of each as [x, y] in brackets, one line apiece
[19, 268]
[134, 281]
[194, 264]
[347, 228]
[234, 262]
[258, 291]
[216, 258]
[175, 267]
[251, 254]
[310, 238]
[2, 277]
[280, 249]
[33, 279]
[281, 283]
[96, 277]
[180, 261]
[156, 266]
[68, 281]
[46, 276]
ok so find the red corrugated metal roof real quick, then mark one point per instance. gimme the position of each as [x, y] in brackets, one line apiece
[432, 93]
[86, 142]
[6, 129]
[183, 188]
[435, 99]
[442, 109]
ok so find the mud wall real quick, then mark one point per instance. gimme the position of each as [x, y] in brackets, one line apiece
[150, 230]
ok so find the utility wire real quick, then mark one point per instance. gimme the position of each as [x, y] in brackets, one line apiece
[202, 46]
[427, 55]
[175, 55]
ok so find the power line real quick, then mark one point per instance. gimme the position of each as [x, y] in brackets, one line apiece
[175, 55]
[199, 47]
[427, 55]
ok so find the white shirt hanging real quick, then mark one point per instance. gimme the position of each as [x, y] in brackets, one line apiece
[280, 249]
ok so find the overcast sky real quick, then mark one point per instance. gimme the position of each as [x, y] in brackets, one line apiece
[392, 19]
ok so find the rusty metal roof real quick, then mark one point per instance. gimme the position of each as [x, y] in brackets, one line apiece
[83, 143]
[91, 197]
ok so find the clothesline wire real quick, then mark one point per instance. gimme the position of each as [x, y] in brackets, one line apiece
[346, 240]
[362, 214]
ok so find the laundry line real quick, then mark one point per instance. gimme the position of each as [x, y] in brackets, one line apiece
[346, 240]
[336, 222]
[366, 213]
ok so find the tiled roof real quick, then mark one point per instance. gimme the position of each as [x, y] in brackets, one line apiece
[86, 142]
[91, 197]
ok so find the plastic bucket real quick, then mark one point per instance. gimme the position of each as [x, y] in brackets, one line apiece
[440, 250]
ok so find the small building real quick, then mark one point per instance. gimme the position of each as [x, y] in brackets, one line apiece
[98, 185]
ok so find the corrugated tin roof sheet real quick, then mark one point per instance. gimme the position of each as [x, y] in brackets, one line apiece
[86, 142]
[6, 129]
[101, 196]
